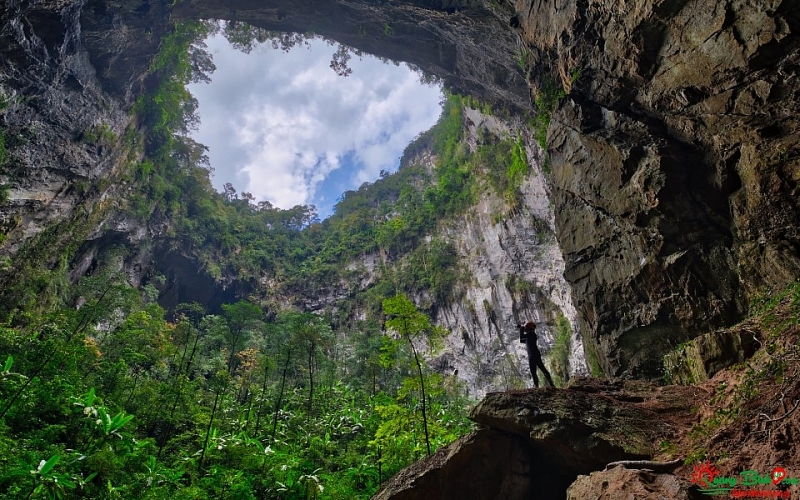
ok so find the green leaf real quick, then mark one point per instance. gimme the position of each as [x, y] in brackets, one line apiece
[106, 420]
[45, 467]
[9, 362]
[119, 420]
[90, 396]
[66, 482]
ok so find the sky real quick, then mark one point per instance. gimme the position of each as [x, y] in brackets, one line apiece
[286, 128]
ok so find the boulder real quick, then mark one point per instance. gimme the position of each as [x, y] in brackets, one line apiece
[535, 443]
[592, 422]
[487, 464]
[619, 483]
[699, 359]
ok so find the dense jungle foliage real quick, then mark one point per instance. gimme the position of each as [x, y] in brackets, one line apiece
[112, 401]
[104, 394]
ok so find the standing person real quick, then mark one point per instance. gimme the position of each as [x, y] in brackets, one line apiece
[527, 334]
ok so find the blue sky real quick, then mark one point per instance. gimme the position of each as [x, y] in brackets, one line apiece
[286, 128]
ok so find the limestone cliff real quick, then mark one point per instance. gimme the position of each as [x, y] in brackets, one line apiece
[516, 274]
[512, 271]
[60, 124]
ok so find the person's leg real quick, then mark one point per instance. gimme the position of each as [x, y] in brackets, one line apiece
[544, 370]
[532, 364]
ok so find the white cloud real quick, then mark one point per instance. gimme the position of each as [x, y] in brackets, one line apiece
[278, 124]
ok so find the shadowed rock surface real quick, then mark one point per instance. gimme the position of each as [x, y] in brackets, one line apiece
[484, 464]
[590, 423]
[535, 443]
[668, 155]
[699, 359]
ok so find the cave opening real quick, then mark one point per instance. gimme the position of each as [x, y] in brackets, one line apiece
[296, 119]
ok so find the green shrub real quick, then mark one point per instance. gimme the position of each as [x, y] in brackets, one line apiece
[559, 355]
[100, 134]
[550, 93]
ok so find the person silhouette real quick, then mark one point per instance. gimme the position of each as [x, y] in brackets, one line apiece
[527, 335]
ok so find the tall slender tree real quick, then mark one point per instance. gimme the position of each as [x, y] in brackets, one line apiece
[240, 319]
[311, 332]
[414, 326]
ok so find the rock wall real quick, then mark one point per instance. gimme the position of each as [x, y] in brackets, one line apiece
[61, 127]
[675, 163]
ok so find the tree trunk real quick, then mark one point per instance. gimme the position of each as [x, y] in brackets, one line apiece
[208, 432]
[171, 425]
[311, 379]
[280, 395]
[424, 403]
[261, 401]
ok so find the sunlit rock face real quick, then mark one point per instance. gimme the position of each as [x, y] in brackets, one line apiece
[516, 274]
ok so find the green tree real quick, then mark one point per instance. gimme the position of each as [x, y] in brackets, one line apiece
[239, 319]
[560, 354]
[310, 333]
[412, 325]
[242, 318]
[100, 296]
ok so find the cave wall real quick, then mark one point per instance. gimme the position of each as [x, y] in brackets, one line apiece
[462, 42]
[57, 168]
[675, 164]
[674, 157]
